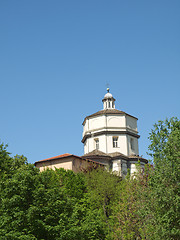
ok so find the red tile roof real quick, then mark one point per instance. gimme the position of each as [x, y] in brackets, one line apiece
[64, 156]
[56, 157]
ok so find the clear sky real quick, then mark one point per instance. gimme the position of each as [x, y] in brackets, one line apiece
[56, 58]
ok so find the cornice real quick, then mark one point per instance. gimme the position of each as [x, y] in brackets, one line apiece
[109, 132]
[93, 131]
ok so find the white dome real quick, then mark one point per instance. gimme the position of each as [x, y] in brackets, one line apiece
[108, 95]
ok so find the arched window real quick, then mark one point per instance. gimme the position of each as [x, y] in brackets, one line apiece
[115, 142]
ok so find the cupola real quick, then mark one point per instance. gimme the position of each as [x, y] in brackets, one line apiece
[108, 101]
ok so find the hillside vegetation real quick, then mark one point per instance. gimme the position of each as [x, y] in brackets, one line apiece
[62, 205]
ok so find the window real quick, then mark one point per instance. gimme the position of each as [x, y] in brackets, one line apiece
[109, 104]
[115, 142]
[96, 143]
[132, 144]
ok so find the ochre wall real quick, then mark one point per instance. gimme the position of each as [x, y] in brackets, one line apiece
[70, 163]
[65, 163]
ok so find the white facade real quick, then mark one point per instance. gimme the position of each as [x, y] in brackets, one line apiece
[105, 128]
[112, 131]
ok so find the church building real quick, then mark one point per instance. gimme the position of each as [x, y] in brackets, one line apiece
[110, 138]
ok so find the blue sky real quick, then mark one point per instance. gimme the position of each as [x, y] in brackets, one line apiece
[56, 58]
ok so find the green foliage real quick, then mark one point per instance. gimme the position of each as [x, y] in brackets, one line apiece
[128, 219]
[9, 165]
[164, 136]
[102, 192]
[164, 182]
[124, 221]
[44, 205]
[102, 189]
[53, 195]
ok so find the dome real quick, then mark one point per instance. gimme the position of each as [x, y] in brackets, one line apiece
[108, 95]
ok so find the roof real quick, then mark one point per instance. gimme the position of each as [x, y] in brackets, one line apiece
[108, 95]
[118, 154]
[108, 111]
[135, 157]
[65, 155]
[95, 154]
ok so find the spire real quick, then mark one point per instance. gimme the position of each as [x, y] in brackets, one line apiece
[108, 100]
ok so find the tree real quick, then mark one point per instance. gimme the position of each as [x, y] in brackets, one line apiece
[165, 180]
[56, 197]
[40, 205]
[8, 164]
[43, 205]
[129, 212]
[16, 198]
[102, 192]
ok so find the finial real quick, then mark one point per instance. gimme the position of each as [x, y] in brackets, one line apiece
[107, 85]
